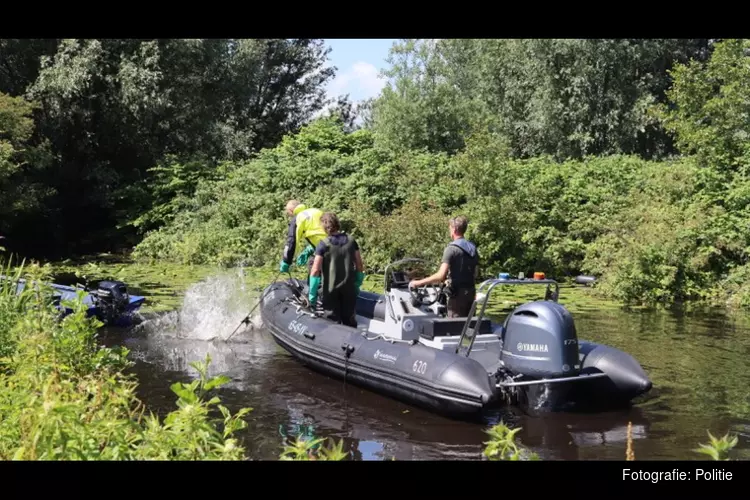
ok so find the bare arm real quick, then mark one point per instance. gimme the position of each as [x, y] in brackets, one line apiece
[359, 263]
[317, 265]
[439, 276]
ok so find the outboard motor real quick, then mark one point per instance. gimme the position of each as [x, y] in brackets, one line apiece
[112, 299]
[540, 341]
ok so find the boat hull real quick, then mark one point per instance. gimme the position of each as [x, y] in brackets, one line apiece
[440, 380]
[410, 372]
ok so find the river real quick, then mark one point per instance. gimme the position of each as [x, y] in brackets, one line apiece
[699, 364]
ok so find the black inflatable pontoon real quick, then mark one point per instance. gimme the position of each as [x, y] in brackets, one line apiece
[407, 348]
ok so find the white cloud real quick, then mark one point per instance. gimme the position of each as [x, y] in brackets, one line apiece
[360, 81]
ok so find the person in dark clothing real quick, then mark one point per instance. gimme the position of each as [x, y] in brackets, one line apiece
[459, 268]
[339, 262]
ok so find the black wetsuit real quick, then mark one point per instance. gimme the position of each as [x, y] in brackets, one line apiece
[462, 258]
[339, 277]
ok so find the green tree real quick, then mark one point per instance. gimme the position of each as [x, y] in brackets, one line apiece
[710, 104]
[568, 98]
[113, 109]
[20, 156]
[19, 62]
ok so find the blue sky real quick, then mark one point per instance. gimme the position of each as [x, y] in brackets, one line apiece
[359, 62]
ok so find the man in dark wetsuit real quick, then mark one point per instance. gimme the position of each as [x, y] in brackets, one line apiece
[461, 263]
[338, 260]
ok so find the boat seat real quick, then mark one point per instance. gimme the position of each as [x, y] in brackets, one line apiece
[443, 327]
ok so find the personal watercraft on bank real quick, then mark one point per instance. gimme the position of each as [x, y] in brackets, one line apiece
[406, 348]
[110, 302]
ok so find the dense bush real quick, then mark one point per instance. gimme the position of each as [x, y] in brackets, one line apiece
[654, 231]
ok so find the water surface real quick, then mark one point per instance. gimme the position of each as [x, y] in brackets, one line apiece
[699, 364]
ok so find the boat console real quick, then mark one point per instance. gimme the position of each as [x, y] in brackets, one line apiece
[419, 315]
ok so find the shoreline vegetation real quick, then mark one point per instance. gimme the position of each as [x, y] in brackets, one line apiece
[65, 397]
[625, 159]
[164, 282]
[654, 230]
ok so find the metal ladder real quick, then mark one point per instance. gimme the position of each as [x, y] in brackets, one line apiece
[468, 335]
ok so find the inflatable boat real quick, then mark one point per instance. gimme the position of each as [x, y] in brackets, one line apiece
[407, 348]
[110, 302]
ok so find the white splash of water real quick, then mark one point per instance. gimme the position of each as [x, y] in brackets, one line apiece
[211, 309]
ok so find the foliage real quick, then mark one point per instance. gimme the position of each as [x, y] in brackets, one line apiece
[718, 449]
[240, 218]
[310, 449]
[562, 153]
[710, 105]
[525, 215]
[171, 187]
[64, 398]
[654, 231]
[108, 111]
[567, 98]
[20, 157]
[12, 307]
[189, 433]
[502, 445]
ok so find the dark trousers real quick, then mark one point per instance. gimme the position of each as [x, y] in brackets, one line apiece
[342, 304]
[460, 303]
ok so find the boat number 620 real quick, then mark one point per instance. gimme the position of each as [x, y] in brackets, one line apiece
[419, 367]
